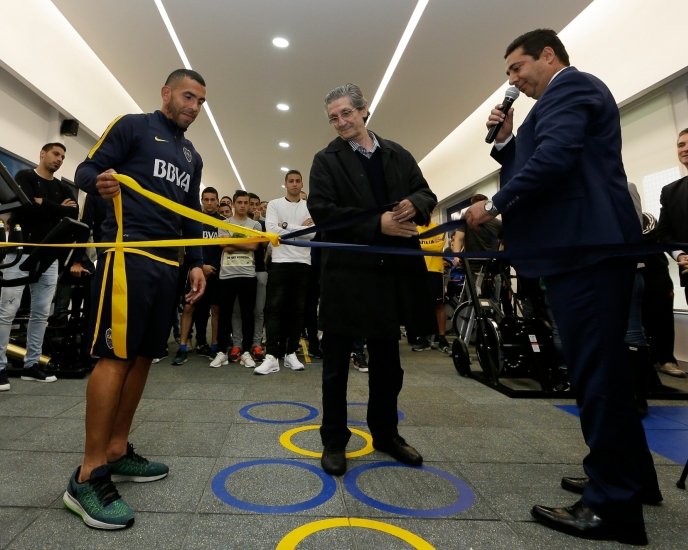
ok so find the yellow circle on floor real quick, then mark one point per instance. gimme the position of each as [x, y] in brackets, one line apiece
[285, 440]
[293, 538]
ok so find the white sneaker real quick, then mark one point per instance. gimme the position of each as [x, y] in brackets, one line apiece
[220, 359]
[247, 360]
[270, 365]
[291, 362]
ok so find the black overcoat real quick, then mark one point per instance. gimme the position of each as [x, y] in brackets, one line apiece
[370, 295]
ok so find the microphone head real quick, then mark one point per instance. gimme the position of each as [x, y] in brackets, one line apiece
[512, 93]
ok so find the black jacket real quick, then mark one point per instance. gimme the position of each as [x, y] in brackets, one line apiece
[363, 294]
[673, 216]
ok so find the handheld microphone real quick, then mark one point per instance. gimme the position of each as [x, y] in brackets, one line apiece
[509, 97]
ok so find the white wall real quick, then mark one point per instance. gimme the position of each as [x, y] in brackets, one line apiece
[649, 137]
[71, 71]
[28, 122]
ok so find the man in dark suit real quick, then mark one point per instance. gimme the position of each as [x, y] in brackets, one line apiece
[673, 217]
[563, 186]
[378, 186]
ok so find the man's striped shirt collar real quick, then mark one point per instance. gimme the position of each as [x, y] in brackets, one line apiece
[358, 148]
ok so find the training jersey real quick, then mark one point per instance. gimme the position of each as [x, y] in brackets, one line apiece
[211, 252]
[432, 244]
[238, 263]
[151, 149]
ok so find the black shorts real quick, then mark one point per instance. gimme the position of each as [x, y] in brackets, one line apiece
[211, 295]
[436, 282]
[151, 303]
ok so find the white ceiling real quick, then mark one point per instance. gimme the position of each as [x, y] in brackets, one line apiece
[453, 62]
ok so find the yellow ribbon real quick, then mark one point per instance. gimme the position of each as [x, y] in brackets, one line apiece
[119, 286]
[118, 249]
[147, 244]
[191, 213]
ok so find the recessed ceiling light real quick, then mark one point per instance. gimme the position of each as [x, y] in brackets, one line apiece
[280, 42]
[284, 169]
[284, 145]
[283, 106]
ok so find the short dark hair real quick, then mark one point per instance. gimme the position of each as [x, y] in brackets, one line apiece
[477, 198]
[682, 132]
[209, 190]
[290, 173]
[239, 193]
[50, 145]
[178, 74]
[223, 197]
[253, 196]
[534, 42]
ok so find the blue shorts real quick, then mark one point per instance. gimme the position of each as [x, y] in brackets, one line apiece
[151, 304]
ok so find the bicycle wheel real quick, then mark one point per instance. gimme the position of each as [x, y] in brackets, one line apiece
[461, 357]
[462, 321]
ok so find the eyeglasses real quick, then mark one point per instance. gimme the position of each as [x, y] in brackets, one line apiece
[346, 114]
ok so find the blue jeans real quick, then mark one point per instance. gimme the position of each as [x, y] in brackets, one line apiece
[42, 292]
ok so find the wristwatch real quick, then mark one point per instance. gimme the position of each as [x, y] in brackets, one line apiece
[491, 209]
[284, 225]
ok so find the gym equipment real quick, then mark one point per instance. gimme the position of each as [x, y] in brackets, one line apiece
[65, 355]
[506, 346]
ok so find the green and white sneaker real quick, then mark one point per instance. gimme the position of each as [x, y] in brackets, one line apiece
[133, 467]
[97, 501]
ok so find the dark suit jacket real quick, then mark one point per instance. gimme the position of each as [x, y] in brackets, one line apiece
[673, 216]
[562, 182]
[369, 294]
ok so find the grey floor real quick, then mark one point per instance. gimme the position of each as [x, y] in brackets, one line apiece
[489, 458]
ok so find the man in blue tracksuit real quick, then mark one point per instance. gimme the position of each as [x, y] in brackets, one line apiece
[150, 148]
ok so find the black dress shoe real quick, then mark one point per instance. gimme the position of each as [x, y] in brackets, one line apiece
[333, 461]
[577, 485]
[580, 521]
[399, 450]
[574, 484]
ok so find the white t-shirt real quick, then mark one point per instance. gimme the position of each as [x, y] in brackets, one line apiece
[294, 214]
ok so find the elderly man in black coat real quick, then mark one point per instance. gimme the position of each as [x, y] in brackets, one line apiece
[378, 186]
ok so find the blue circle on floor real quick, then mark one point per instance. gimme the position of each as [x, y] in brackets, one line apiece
[400, 415]
[311, 414]
[464, 501]
[218, 486]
